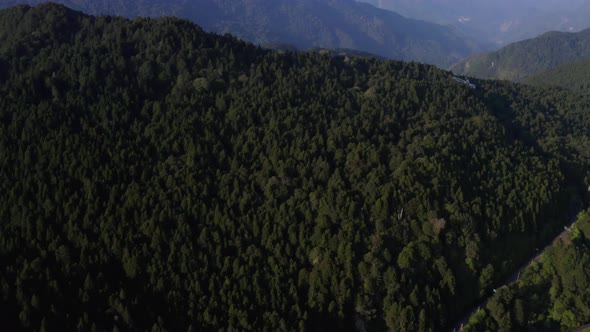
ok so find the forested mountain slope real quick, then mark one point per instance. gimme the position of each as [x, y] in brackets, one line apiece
[304, 24]
[157, 177]
[519, 60]
[574, 76]
[553, 294]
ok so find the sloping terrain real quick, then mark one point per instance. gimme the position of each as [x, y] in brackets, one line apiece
[553, 294]
[519, 60]
[497, 22]
[574, 76]
[157, 177]
[303, 24]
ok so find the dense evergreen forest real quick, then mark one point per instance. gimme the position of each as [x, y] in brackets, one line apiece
[303, 24]
[574, 76]
[157, 177]
[553, 294]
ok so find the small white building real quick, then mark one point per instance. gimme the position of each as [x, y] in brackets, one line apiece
[466, 82]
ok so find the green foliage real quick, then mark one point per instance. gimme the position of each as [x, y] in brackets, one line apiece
[573, 76]
[342, 25]
[527, 304]
[156, 177]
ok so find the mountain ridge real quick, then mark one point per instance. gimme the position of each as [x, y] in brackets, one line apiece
[574, 76]
[305, 24]
[518, 60]
[498, 22]
[158, 177]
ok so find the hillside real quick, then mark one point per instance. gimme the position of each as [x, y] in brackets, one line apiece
[304, 24]
[553, 294]
[519, 60]
[500, 22]
[158, 177]
[574, 76]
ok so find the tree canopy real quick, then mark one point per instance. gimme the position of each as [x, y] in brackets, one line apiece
[303, 24]
[552, 295]
[157, 177]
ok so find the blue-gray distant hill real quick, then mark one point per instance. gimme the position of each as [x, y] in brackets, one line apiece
[519, 60]
[305, 24]
[498, 22]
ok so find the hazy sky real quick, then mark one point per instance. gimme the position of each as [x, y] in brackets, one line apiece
[498, 21]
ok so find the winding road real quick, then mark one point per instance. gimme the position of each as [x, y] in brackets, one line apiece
[458, 327]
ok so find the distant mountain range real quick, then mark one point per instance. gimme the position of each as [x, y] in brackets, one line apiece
[498, 22]
[304, 24]
[519, 60]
